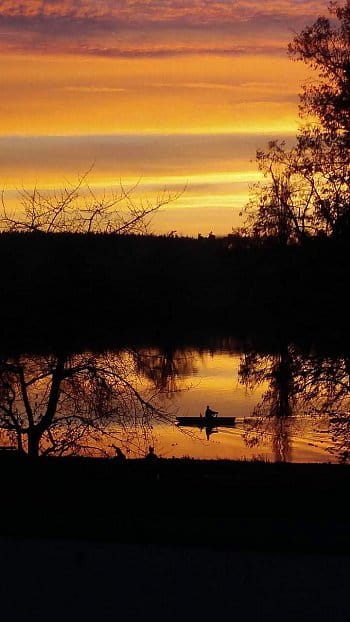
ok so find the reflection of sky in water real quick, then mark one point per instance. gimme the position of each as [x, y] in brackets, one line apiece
[188, 381]
[216, 382]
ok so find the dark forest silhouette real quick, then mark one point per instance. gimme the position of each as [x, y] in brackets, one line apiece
[81, 291]
[72, 258]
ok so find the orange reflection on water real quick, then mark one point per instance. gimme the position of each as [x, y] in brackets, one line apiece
[178, 382]
[229, 445]
[216, 382]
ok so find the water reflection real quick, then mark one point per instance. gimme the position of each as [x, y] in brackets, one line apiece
[166, 367]
[298, 386]
[68, 404]
[289, 404]
[299, 400]
[272, 414]
[325, 386]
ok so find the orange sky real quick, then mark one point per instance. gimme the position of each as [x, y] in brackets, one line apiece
[204, 80]
[82, 95]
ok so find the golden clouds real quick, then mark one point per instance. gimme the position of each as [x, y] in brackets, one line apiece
[53, 95]
[164, 67]
[214, 170]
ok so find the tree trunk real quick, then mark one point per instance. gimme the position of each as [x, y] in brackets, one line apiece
[33, 443]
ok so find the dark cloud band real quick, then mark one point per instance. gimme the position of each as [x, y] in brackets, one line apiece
[171, 27]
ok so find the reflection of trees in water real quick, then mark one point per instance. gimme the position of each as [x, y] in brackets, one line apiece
[272, 415]
[67, 404]
[327, 393]
[310, 385]
[166, 367]
[85, 402]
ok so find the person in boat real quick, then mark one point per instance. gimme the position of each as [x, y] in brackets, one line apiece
[210, 414]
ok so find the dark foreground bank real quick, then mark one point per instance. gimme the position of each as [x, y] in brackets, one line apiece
[238, 506]
[69, 580]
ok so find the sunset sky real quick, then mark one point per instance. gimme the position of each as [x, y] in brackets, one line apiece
[176, 93]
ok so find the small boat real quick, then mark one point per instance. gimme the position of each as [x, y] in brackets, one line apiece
[203, 422]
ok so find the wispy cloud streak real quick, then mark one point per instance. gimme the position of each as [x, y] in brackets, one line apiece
[116, 27]
[159, 10]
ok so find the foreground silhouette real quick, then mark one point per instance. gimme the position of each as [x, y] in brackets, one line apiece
[151, 456]
[65, 404]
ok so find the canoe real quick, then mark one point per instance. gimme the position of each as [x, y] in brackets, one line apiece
[202, 422]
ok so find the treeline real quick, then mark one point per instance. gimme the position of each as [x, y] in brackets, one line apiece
[76, 291]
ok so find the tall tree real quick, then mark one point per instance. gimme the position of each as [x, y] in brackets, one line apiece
[325, 47]
[307, 188]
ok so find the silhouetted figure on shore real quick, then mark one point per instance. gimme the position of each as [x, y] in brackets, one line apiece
[119, 455]
[210, 414]
[151, 455]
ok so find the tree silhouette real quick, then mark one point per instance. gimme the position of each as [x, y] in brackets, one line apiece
[282, 207]
[77, 208]
[325, 46]
[61, 403]
[307, 188]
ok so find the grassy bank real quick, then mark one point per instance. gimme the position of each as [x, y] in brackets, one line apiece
[224, 504]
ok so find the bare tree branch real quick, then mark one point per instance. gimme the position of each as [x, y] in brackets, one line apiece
[79, 209]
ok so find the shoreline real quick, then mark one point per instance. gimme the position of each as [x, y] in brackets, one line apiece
[224, 505]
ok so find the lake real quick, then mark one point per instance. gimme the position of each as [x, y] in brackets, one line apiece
[215, 379]
[289, 404]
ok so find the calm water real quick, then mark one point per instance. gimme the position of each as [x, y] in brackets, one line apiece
[215, 379]
[289, 405]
